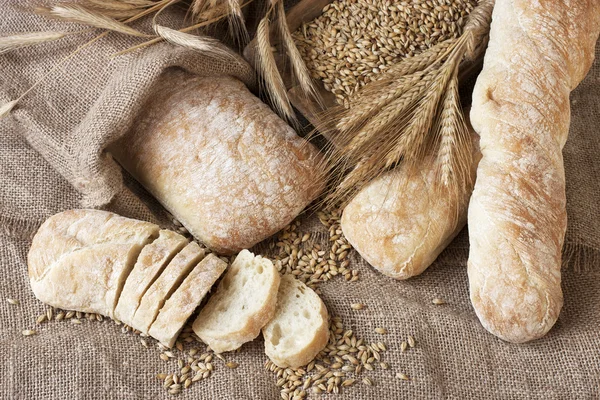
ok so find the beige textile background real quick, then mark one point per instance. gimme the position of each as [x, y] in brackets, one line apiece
[93, 98]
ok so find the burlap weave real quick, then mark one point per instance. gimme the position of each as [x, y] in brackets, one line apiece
[51, 160]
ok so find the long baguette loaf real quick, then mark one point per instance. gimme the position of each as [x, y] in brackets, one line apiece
[220, 160]
[538, 52]
[401, 221]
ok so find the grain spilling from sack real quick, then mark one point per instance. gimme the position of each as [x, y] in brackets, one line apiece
[354, 40]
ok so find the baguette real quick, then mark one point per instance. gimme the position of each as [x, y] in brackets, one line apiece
[79, 259]
[300, 328]
[243, 303]
[219, 160]
[538, 52]
[188, 296]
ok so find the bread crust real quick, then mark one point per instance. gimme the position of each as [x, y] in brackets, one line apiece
[400, 222]
[538, 52]
[220, 160]
[79, 259]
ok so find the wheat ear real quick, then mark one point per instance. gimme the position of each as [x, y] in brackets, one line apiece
[268, 70]
[14, 42]
[82, 15]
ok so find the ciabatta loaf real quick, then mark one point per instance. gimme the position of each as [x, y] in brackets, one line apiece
[164, 286]
[188, 296]
[538, 52]
[243, 303]
[300, 328]
[150, 263]
[220, 160]
[80, 259]
[401, 221]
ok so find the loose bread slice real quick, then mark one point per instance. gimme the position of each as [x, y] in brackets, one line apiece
[170, 279]
[243, 303]
[185, 299]
[80, 259]
[149, 265]
[300, 329]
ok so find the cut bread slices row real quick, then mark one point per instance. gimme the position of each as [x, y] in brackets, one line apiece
[252, 296]
[98, 262]
[243, 303]
[153, 280]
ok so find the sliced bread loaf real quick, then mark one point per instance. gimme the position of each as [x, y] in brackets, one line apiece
[151, 262]
[300, 329]
[182, 303]
[80, 259]
[170, 279]
[244, 302]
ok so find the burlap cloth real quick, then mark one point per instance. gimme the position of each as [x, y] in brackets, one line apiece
[51, 160]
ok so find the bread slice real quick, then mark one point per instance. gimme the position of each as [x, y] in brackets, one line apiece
[244, 302]
[185, 299]
[300, 329]
[151, 262]
[170, 279]
[80, 259]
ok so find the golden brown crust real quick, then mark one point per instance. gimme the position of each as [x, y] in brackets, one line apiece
[220, 160]
[400, 222]
[538, 52]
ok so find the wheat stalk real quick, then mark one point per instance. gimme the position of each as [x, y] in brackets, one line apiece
[299, 68]
[411, 112]
[373, 102]
[477, 28]
[6, 108]
[14, 42]
[237, 23]
[79, 14]
[137, 3]
[269, 72]
[204, 44]
[453, 137]
[114, 5]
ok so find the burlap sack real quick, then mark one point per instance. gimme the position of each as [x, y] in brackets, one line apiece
[51, 160]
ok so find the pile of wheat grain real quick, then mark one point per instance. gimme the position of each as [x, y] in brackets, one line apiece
[354, 40]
